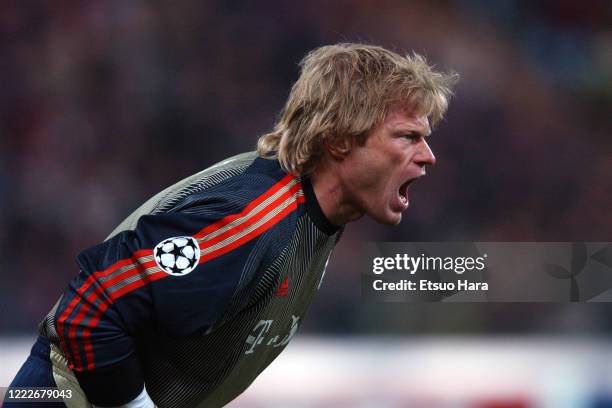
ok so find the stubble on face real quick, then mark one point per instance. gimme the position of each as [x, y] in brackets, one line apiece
[369, 178]
[375, 173]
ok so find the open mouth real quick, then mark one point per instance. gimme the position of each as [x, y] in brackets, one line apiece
[403, 192]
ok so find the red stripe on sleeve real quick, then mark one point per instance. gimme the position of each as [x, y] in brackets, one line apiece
[138, 268]
[244, 225]
[226, 220]
[256, 232]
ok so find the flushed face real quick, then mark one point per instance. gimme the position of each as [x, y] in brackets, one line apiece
[377, 176]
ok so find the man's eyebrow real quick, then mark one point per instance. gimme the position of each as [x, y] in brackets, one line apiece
[414, 131]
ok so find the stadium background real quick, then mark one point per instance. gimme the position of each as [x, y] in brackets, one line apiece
[104, 103]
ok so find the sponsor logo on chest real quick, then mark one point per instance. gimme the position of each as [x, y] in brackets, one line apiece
[260, 336]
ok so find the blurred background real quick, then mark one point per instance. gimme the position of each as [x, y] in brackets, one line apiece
[104, 103]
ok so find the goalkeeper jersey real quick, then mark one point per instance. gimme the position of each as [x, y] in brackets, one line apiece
[197, 291]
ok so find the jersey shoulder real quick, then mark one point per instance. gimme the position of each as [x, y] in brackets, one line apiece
[222, 189]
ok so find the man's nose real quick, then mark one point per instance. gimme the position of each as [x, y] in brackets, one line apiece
[425, 156]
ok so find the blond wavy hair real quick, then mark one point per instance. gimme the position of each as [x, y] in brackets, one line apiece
[345, 91]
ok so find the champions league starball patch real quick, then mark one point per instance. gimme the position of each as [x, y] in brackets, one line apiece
[177, 256]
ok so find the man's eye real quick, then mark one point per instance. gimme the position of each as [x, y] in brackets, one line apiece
[412, 137]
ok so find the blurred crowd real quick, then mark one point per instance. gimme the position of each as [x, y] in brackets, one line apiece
[104, 103]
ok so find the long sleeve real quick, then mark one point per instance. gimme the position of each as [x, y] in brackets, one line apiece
[173, 274]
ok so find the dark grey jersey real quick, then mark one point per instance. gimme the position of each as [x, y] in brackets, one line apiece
[203, 329]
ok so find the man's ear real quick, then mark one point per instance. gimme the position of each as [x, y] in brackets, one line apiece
[337, 147]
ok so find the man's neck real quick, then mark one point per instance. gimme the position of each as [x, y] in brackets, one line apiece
[327, 185]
